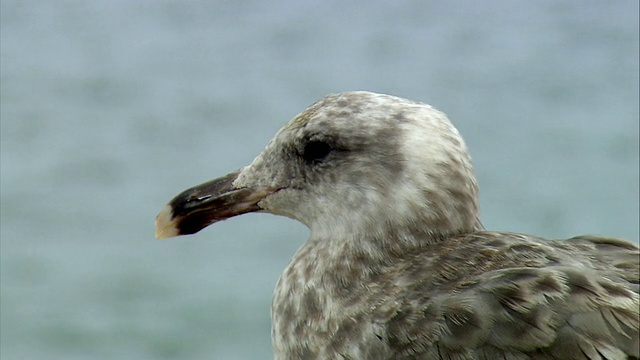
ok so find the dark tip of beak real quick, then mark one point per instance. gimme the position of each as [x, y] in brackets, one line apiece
[202, 205]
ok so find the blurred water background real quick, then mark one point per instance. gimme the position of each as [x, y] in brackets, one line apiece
[110, 108]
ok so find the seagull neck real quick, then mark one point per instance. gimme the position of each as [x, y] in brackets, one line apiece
[370, 249]
[380, 241]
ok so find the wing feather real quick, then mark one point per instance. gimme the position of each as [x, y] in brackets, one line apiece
[574, 300]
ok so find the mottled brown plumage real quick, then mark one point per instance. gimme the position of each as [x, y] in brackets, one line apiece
[397, 265]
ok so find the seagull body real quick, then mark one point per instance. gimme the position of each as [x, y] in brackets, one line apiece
[398, 265]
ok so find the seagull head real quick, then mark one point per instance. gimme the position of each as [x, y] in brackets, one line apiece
[350, 164]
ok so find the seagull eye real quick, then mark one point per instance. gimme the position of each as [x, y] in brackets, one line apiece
[316, 151]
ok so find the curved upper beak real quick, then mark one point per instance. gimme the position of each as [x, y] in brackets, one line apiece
[202, 205]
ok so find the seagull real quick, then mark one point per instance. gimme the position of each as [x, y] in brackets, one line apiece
[398, 264]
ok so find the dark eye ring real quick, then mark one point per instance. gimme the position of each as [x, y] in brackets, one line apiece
[315, 151]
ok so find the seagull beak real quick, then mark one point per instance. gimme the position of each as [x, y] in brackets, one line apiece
[202, 205]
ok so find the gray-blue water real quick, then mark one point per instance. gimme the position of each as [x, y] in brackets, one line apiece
[109, 108]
